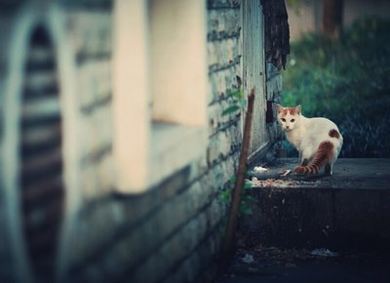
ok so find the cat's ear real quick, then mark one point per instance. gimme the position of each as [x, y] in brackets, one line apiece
[279, 108]
[298, 109]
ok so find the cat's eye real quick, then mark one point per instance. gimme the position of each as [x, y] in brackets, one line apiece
[292, 120]
[284, 120]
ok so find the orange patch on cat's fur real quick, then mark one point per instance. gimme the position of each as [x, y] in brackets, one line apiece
[284, 112]
[292, 111]
[334, 134]
[323, 154]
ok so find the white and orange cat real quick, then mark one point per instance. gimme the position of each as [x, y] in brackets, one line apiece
[318, 140]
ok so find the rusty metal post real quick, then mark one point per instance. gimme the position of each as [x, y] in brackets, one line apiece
[240, 180]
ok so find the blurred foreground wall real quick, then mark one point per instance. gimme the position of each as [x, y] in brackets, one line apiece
[61, 215]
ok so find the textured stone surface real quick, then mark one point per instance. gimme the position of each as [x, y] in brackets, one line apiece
[349, 210]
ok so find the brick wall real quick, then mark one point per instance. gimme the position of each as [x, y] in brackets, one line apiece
[173, 232]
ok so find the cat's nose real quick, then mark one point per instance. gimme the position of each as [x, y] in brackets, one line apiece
[287, 127]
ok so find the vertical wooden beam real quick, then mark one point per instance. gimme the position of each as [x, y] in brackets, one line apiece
[253, 66]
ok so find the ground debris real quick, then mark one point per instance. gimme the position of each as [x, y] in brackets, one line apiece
[282, 256]
[271, 182]
[247, 258]
[272, 264]
[259, 169]
[285, 173]
[323, 252]
[282, 183]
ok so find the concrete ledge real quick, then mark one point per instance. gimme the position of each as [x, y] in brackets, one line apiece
[348, 173]
[350, 210]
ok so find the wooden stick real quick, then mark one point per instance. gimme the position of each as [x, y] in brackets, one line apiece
[240, 180]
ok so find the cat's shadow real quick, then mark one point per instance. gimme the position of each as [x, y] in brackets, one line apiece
[299, 177]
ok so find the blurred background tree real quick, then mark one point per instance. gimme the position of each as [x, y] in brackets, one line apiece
[332, 19]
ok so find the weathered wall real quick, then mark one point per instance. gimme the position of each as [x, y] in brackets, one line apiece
[7, 258]
[4, 255]
[90, 35]
[31, 75]
[6, 266]
[173, 232]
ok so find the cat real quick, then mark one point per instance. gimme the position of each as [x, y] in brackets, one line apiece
[318, 140]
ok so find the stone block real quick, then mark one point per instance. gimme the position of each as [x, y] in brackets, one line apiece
[89, 182]
[105, 175]
[174, 250]
[216, 212]
[95, 131]
[213, 20]
[214, 114]
[199, 262]
[231, 20]
[361, 217]
[347, 211]
[91, 32]
[94, 82]
[211, 54]
[92, 229]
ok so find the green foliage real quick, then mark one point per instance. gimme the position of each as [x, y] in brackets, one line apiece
[348, 82]
[246, 200]
[237, 102]
[230, 109]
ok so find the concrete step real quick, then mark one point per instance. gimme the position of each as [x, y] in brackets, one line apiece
[347, 211]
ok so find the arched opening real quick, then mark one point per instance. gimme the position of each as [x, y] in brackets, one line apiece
[41, 166]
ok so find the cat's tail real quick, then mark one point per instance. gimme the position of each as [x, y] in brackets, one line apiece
[323, 154]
